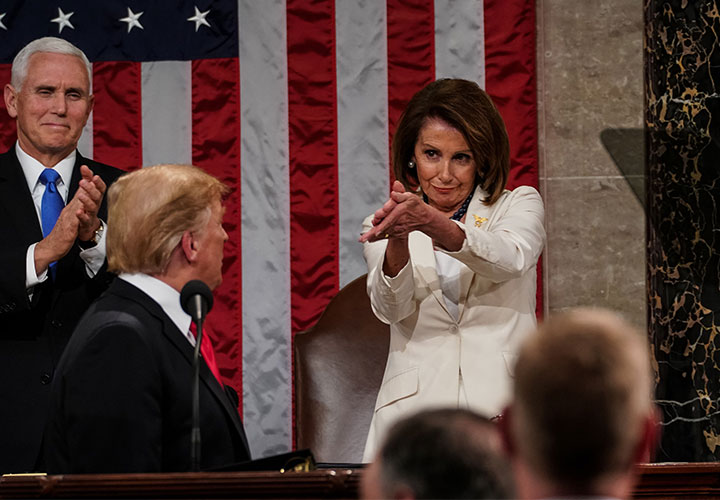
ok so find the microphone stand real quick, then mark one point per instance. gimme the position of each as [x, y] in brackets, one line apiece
[196, 299]
[195, 438]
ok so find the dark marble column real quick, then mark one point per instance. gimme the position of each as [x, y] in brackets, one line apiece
[682, 91]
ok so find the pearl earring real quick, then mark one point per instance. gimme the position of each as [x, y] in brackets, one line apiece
[411, 164]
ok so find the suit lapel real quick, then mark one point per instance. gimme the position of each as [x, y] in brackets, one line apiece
[75, 177]
[478, 216]
[218, 391]
[177, 339]
[16, 199]
[423, 253]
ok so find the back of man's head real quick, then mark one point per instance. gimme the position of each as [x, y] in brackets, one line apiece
[447, 453]
[150, 208]
[582, 411]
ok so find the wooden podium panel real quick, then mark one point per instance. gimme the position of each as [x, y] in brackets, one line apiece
[679, 481]
[330, 483]
[657, 481]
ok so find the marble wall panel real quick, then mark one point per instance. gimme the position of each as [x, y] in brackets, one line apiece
[595, 248]
[682, 64]
[592, 80]
[590, 106]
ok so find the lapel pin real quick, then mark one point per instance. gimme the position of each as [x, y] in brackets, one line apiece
[479, 220]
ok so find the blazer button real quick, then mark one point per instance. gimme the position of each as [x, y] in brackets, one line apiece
[45, 378]
[454, 329]
[56, 323]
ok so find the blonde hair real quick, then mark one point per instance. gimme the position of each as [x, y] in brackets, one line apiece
[150, 209]
[583, 387]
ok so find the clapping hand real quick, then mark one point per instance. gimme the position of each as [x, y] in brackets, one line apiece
[88, 199]
[402, 213]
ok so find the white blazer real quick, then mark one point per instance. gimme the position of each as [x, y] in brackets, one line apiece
[428, 347]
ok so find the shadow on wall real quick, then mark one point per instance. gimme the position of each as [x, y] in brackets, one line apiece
[626, 147]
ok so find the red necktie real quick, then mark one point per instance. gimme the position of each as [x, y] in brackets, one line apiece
[207, 351]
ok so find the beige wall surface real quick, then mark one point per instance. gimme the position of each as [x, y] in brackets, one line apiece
[590, 104]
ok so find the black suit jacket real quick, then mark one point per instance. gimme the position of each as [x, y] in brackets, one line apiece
[34, 333]
[122, 395]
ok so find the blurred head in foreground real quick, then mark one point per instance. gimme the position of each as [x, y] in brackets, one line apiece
[582, 413]
[446, 453]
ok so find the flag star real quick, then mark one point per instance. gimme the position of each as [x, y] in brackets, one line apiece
[199, 18]
[63, 20]
[1, 23]
[132, 20]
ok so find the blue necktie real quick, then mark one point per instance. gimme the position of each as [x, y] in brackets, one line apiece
[52, 205]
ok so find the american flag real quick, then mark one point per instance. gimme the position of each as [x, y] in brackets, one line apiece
[292, 103]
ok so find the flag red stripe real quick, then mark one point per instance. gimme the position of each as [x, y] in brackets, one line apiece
[312, 125]
[117, 118]
[410, 54]
[511, 81]
[510, 76]
[313, 177]
[7, 124]
[216, 149]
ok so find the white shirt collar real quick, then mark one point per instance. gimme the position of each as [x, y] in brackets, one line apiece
[166, 297]
[33, 168]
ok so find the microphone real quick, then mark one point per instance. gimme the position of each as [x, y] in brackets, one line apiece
[196, 299]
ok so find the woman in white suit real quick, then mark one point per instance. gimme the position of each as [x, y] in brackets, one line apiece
[451, 259]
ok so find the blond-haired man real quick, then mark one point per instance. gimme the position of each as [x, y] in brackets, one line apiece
[582, 413]
[121, 400]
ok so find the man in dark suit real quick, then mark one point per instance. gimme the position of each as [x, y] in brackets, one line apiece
[121, 397]
[50, 271]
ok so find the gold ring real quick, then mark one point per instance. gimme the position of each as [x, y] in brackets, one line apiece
[387, 235]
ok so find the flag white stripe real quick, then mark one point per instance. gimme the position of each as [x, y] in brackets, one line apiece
[459, 42]
[166, 112]
[480, 33]
[267, 374]
[363, 164]
[85, 144]
[362, 115]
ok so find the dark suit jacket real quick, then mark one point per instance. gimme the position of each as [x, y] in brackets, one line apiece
[122, 395]
[33, 334]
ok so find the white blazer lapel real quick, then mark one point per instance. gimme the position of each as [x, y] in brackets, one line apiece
[478, 216]
[422, 255]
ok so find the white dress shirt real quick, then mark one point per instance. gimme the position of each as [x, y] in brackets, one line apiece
[166, 297]
[93, 257]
